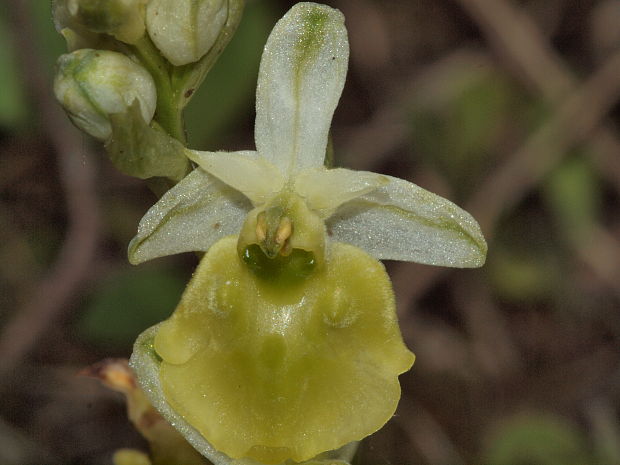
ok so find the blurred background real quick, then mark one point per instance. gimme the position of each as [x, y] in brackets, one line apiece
[508, 108]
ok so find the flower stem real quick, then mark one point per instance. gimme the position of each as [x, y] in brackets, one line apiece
[169, 113]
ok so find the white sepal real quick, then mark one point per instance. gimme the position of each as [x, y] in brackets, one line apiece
[402, 221]
[326, 189]
[191, 216]
[300, 80]
[253, 176]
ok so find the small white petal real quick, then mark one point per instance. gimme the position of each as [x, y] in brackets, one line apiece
[301, 77]
[402, 221]
[191, 216]
[253, 176]
[324, 190]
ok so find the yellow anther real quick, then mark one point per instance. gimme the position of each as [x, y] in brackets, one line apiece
[261, 228]
[286, 249]
[284, 231]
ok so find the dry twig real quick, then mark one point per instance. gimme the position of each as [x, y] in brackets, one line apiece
[572, 123]
[525, 48]
[54, 292]
[578, 118]
[429, 437]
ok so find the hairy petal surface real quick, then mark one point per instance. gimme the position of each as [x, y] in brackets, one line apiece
[324, 190]
[146, 363]
[401, 221]
[191, 216]
[255, 177]
[300, 80]
[274, 372]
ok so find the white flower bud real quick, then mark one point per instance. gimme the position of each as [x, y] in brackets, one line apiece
[185, 30]
[93, 84]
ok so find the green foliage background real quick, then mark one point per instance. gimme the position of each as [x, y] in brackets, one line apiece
[518, 363]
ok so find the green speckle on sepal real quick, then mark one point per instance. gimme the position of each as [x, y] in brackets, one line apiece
[312, 37]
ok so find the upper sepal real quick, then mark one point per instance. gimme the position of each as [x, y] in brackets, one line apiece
[301, 76]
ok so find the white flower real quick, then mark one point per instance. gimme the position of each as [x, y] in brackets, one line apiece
[301, 77]
[285, 345]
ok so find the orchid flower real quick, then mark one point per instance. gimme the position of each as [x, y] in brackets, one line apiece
[285, 344]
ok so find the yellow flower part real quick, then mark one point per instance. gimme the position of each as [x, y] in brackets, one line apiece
[285, 346]
[276, 371]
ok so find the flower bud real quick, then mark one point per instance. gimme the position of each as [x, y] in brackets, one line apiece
[75, 34]
[123, 19]
[91, 85]
[185, 30]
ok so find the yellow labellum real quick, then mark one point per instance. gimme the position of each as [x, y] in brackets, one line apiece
[275, 371]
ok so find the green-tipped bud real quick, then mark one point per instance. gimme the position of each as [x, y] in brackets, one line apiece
[185, 30]
[123, 19]
[91, 85]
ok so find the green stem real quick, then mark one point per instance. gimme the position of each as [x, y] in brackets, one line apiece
[186, 79]
[176, 85]
[169, 113]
